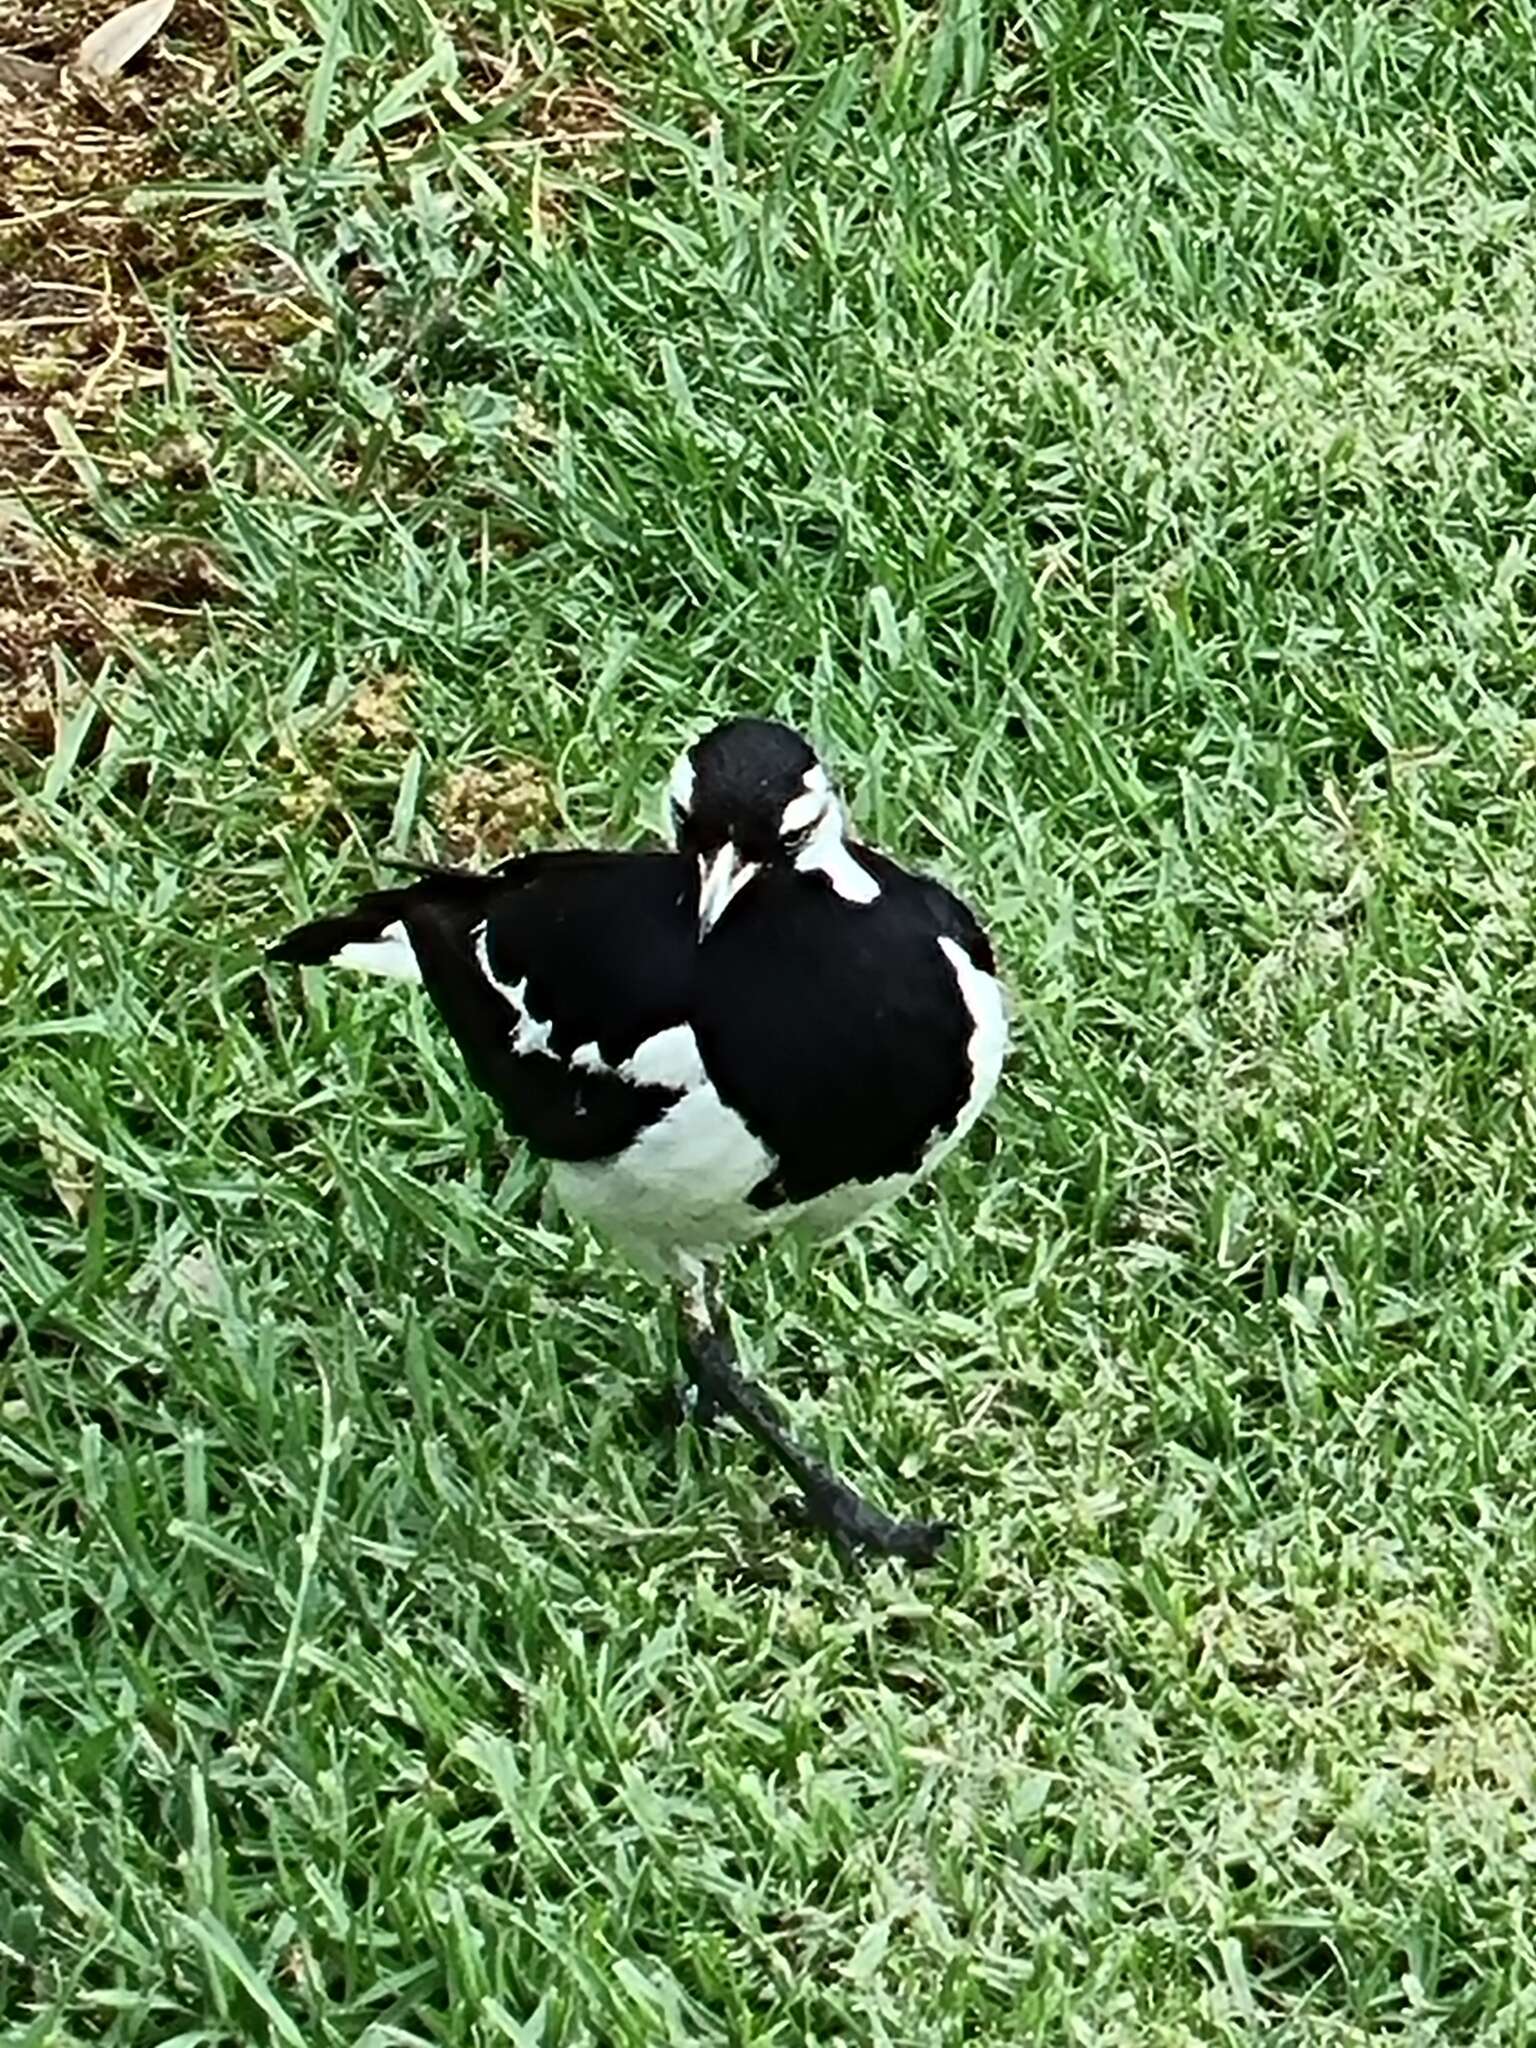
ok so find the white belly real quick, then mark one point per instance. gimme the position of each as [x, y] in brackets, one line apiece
[682, 1186]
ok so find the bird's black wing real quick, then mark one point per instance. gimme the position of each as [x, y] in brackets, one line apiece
[926, 899]
[549, 955]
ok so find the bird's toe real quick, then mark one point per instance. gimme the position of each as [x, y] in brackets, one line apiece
[854, 1525]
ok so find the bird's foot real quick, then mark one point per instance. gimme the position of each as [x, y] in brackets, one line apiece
[854, 1525]
[824, 1501]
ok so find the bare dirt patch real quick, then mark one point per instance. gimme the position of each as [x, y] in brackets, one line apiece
[65, 605]
[80, 239]
[78, 332]
[106, 239]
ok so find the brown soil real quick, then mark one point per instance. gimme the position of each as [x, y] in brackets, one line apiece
[81, 241]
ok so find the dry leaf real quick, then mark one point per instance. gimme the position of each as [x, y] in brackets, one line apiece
[120, 38]
[69, 1171]
[196, 1280]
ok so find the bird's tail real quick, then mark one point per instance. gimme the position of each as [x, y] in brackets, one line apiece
[371, 936]
[383, 932]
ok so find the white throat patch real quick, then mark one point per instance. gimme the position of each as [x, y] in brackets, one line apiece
[824, 850]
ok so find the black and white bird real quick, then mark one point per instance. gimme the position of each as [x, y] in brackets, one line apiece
[770, 1026]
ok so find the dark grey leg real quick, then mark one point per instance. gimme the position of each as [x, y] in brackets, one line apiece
[703, 1313]
[829, 1504]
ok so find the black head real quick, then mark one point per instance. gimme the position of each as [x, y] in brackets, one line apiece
[734, 785]
[749, 794]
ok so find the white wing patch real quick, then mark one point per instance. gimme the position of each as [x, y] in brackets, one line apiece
[532, 1034]
[982, 994]
[667, 1059]
[390, 954]
[670, 1059]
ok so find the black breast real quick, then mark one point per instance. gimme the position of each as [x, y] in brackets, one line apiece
[837, 1031]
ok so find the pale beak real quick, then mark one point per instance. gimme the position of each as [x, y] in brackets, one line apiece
[721, 876]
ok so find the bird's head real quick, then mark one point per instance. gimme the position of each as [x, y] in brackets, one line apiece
[751, 795]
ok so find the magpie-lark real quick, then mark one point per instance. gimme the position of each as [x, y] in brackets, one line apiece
[770, 1026]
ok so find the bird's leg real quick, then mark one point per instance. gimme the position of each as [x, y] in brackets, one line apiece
[829, 1503]
[701, 1313]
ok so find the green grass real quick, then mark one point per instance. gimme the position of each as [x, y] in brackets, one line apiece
[1114, 436]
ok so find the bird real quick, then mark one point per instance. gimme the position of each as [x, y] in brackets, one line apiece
[764, 1026]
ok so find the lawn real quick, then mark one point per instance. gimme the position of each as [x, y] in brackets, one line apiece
[1112, 431]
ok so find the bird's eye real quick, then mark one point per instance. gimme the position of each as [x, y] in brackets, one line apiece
[796, 834]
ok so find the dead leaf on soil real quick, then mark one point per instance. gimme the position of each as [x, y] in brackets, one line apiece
[119, 39]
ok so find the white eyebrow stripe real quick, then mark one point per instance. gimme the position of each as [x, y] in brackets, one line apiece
[802, 812]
